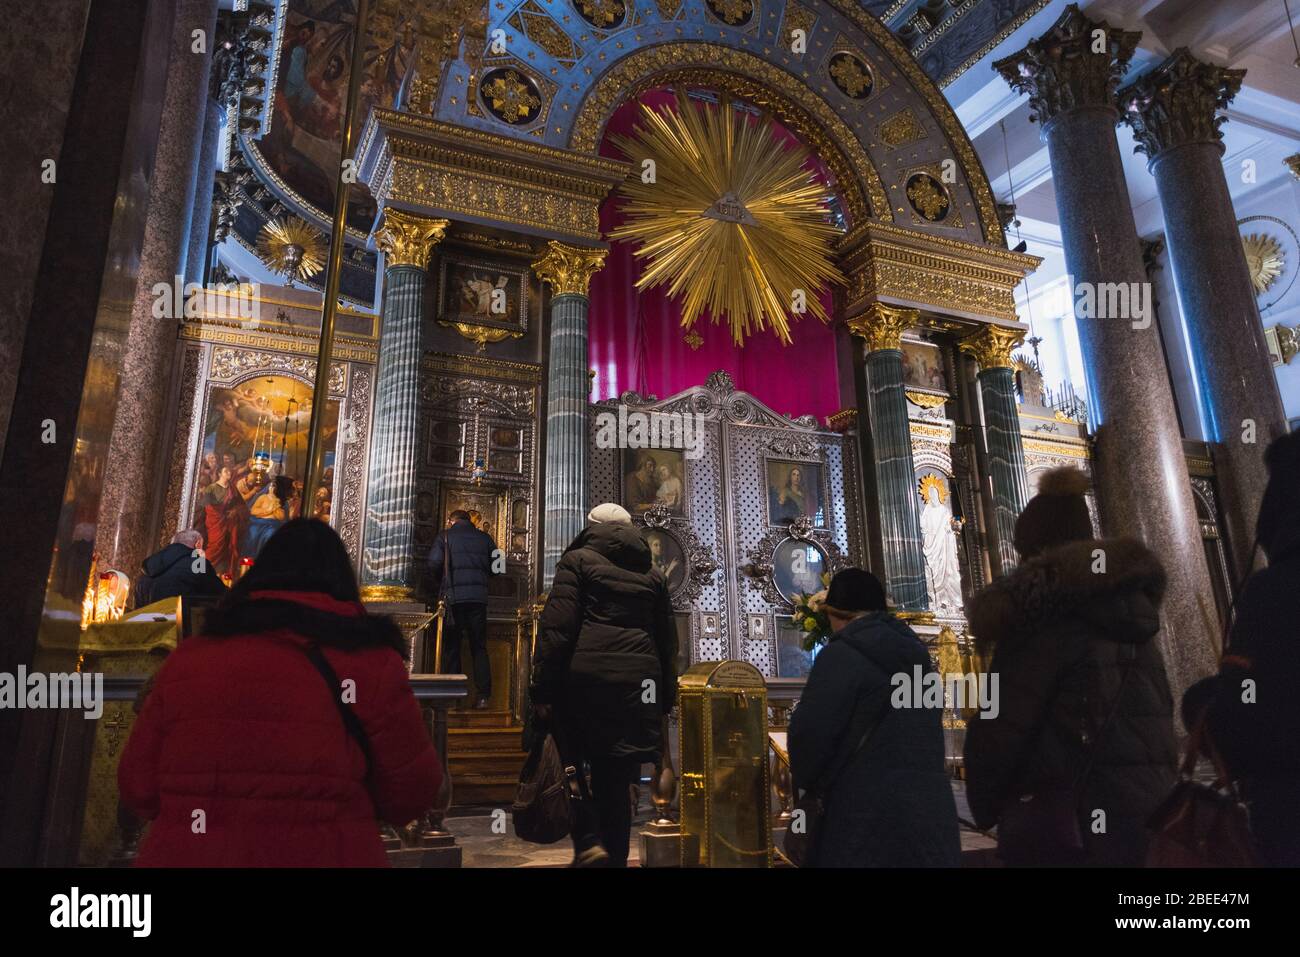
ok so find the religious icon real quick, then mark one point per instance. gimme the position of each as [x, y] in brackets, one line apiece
[795, 491]
[939, 539]
[654, 477]
[252, 456]
[797, 568]
[923, 366]
[667, 556]
[484, 294]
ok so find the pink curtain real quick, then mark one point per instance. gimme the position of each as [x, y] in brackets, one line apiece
[636, 341]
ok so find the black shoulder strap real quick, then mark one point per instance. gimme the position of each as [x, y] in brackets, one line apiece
[350, 720]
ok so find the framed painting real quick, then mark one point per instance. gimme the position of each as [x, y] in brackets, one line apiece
[796, 490]
[923, 366]
[654, 477]
[476, 292]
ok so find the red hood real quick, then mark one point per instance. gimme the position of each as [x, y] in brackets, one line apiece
[313, 599]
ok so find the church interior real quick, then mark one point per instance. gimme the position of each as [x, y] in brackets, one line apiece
[803, 285]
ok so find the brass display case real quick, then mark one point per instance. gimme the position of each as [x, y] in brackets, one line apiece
[725, 785]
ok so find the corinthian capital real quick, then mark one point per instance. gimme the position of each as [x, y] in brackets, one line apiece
[992, 346]
[1178, 103]
[569, 268]
[408, 240]
[883, 326]
[1076, 64]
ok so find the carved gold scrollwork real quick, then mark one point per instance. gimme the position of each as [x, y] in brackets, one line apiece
[883, 326]
[408, 240]
[569, 268]
[992, 346]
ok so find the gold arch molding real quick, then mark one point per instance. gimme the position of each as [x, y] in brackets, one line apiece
[751, 78]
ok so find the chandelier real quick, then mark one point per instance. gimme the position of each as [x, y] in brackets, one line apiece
[730, 219]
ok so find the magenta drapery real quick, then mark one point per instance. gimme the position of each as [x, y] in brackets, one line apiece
[636, 341]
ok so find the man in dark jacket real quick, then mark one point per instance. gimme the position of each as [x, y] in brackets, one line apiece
[1254, 716]
[181, 570]
[879, 769]
[1084, 706]
[460, 563]
[605, 672]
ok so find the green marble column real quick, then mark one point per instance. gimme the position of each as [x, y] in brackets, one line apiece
[891, 439]
[389, 571]
[568, 271]
[991, 347]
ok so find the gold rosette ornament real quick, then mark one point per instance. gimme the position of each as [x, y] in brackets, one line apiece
[732, 220]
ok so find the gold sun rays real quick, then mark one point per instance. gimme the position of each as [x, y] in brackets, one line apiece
[291, 247]
[732, 222]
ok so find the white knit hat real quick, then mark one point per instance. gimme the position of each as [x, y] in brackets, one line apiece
[609, 512]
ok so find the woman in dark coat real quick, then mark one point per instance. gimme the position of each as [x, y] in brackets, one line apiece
[1254, 716]
[605, 672]
[1066, 628]
[890, 802]
[242, 727]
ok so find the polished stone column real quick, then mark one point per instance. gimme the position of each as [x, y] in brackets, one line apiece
[1173, 112]
[891, 440]
[389, 570]
[201, 217]
[136, 449]
[991, 347]
[1139, 471]
[568, 270]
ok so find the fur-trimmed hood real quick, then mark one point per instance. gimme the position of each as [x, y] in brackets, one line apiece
[1122, 602]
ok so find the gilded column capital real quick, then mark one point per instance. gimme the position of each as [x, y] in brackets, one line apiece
[1178, 103]
[406, 239]
[883, 326]
[569, 268]
[992, 346]
[1078, 63]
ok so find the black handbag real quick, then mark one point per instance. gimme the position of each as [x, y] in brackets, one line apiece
[548, 799]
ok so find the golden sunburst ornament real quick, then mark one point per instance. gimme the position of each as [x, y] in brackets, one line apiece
[291, 247]
[931, 481]
[1264, 257]
[730, 220]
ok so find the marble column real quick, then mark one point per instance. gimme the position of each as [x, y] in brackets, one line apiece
[891, 440]
[136, 451]
[991, 347]
[1173, 113]
[389, 569]
[1139, 469]
[200, 231]
[568, 271]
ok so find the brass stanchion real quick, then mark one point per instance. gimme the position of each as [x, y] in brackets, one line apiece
[439, 616]
[329, 312]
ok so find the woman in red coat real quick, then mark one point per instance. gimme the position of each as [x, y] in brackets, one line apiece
[242, 756]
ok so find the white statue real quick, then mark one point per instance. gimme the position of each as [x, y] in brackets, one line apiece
[942, 571]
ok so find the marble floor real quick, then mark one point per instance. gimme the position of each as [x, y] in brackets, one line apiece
[484, 846]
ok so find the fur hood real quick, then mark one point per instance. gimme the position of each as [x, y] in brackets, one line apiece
[1122, 603]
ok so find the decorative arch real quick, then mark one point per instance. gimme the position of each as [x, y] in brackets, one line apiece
[752, 78]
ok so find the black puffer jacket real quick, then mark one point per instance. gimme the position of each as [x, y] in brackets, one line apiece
[1257, 726]
[892, 804]
[1063, 636]
[607, 629]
